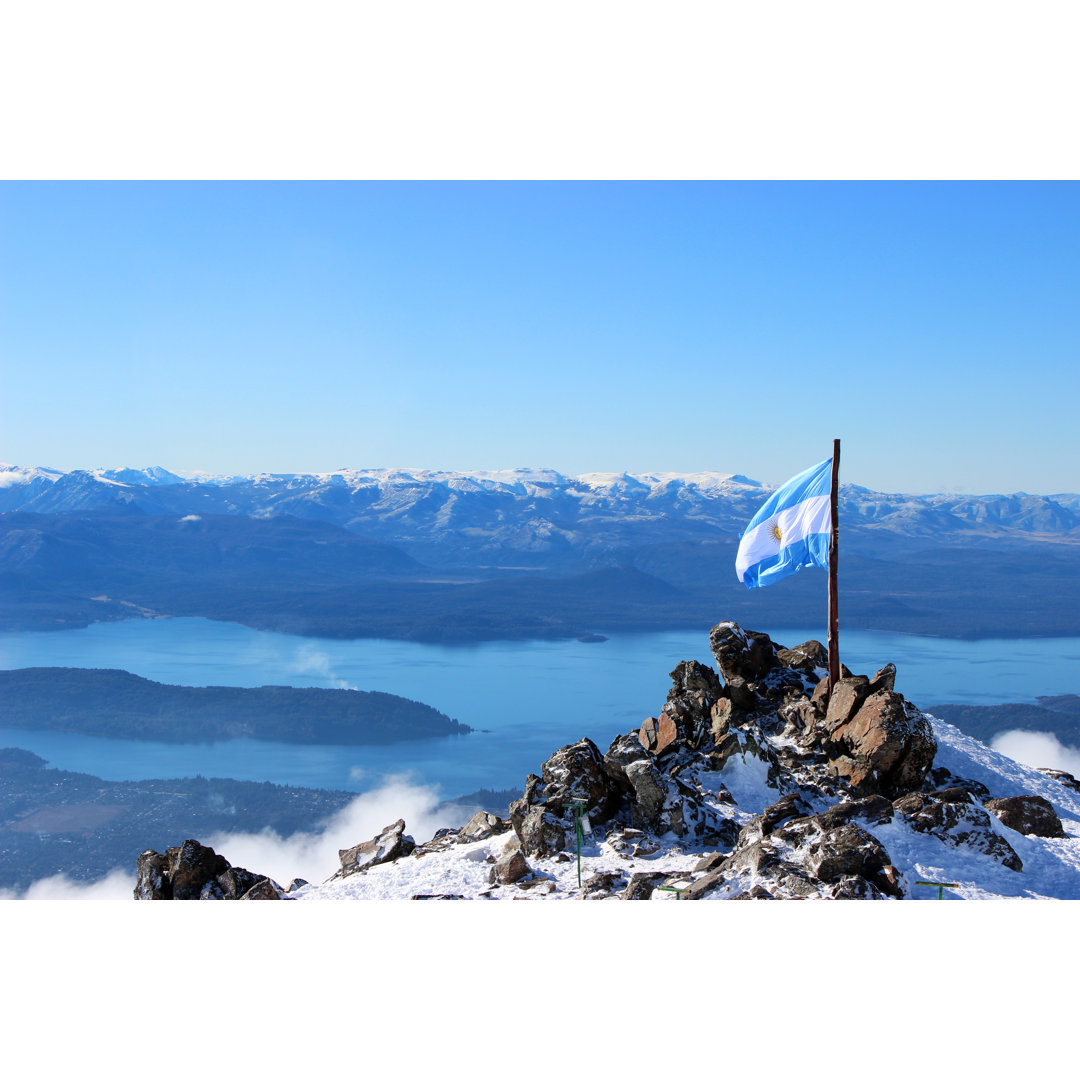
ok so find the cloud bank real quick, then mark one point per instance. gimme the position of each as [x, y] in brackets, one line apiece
[118, 884]
[1039, 749]
[314, 856]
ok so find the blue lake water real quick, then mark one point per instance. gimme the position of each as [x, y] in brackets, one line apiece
[527, 698]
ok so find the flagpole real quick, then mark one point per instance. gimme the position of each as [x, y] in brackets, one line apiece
[834, 621]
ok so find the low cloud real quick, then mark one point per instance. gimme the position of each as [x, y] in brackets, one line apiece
[117, 885]
[1039, 749]
[314, 856]
[192, 517]
[311, 660]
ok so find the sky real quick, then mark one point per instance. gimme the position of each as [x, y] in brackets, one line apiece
[739, 326]
[600, 325]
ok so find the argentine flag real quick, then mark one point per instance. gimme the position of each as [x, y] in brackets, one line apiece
[790, 531]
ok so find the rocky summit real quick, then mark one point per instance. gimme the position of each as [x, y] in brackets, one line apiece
[753, 781]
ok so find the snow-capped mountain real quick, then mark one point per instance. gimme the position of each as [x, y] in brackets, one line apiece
[754, 783]
[498, 516]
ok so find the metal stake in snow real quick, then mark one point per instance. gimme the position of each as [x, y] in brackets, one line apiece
[675, 889]
[941, 886]
[578, 806]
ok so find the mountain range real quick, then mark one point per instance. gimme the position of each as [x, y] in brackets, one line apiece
[533, 517]
[458, 556]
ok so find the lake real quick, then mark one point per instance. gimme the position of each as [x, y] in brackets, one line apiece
[526, 698]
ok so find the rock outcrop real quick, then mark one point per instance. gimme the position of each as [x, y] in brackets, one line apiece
[193, 871]
[1029, 814]
[390, 844]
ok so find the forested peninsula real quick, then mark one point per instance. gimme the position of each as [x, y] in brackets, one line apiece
[119, 705]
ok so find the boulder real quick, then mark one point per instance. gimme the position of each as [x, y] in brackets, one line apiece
[510, 868]
[690, 677]
[847, 851]
[152, 877]
[941, 778]
[658, 733]
[577, 772]
[236, 881]
[845, 701]
[650, 790]
[543, 817]
[886, 747]
[1031, 815]
[957, 824]
[192, 866]
[191, 871]
[883, 679]
[390, 844]
[1062, 777]
[641, 885]
[264, 889]
[875, 809]
[541, 833]
[853, 887]
[624, 751]
[481, 826]
[790, 806]
[601, 885]
[809, 657]
[742, 656]
[721, 718]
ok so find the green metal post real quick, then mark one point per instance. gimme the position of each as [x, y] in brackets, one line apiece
[941, 886]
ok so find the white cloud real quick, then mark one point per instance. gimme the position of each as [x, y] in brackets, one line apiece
[119, 884]
[192, 517]
[314, 856]
[1039, 749]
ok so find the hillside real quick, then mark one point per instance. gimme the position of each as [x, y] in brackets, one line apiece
[752, 782]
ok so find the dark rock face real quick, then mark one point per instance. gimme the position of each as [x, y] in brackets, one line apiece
[390, 844]
[884, 746]
[1029, 814]
[193, 871]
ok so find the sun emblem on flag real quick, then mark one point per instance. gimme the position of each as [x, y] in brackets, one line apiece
[777, 535]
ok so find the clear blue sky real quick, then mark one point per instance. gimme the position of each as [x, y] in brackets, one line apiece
[292, 327]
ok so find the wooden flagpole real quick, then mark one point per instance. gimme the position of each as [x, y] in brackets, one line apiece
[834, 621]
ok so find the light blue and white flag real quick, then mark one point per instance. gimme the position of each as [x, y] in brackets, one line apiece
[790, 531]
